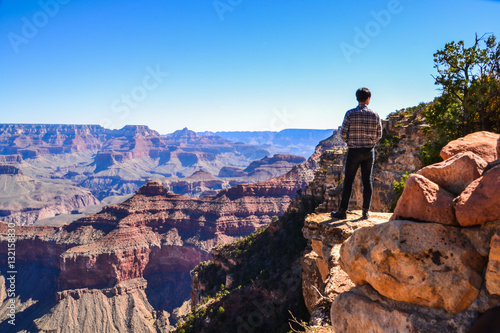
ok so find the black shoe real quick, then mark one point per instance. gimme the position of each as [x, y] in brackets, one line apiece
[366, 214]
[340, 214]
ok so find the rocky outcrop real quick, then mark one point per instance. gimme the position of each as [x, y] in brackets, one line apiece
[493, 271]
[427, 264]
[364, 310]
[321, 270]
[427, 274]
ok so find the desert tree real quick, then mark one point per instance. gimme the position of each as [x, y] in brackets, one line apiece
[469, 78]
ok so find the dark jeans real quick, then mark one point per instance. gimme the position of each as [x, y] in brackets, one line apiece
[357, 157]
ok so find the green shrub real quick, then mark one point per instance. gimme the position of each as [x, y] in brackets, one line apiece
[398, 190]
[387, 144]
[430, 152]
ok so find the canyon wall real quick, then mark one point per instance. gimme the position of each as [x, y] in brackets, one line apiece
[137, 252]
[85, 164]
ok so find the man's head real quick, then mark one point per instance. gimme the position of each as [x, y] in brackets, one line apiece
[363, 95]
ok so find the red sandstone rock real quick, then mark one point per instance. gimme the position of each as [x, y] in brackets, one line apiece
[455, 173]
[363, 310]
[427, 264]
[484, 144]
[424, 200]
[480, 201]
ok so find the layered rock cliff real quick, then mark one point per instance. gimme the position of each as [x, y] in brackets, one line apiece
[85, 164]
[201, 183]
[254, 283]
[137, 254]
[24, 200]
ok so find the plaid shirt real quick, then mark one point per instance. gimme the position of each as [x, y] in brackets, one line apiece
[361, 128]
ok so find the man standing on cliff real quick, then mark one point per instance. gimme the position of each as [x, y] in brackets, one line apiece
[361, 130]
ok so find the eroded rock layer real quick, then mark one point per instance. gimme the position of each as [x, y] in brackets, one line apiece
[153, 235]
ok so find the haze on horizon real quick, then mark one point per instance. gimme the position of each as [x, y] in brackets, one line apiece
[223, 65]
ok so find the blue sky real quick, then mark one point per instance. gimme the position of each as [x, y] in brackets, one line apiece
[223, 64]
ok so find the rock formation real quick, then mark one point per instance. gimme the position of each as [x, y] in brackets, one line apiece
[201, 183]
[116, 163]
[433, 266]
[24, 200]
[130, 251]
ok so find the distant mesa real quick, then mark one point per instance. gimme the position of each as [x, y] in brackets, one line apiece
[152, 189]
[231, 172]
[9, 170]
[104, 160]
[11, 159]
[292, 159]
[32, 139]
[184, 135]
[201, 175]
[136, 130]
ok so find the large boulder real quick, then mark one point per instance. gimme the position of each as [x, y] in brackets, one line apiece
[455, 173]
[480, 201]
[427, 264]
[354, 313]
[484, 144]
[425, 200]
[364, 310]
